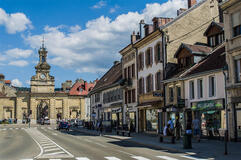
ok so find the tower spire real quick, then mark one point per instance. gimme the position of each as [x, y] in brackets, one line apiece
[43, 42]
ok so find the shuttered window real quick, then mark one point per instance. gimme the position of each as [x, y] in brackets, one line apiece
[171, 94]
[191, 90]
[133, 70]
[141, 86]
[212, 86]
[149, 83]
[129, 72]
[200, 88]
[133, 96]
[238, 70]
[129, 96]
[236, 22]
[158, 80]
[148, 57]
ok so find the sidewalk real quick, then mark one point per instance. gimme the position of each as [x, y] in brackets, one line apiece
[205, 149]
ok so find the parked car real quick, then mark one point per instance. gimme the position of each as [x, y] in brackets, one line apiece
[63, 125]
[47, 121]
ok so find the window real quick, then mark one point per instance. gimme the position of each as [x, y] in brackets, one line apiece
[43, 59]
[191, 90]
[133, 96]
[171, 94]
[141, 86]
[133, 70]
[129, 72]
[238, 70]
[212, 86]
[178, 92]
[148, 57]
[141, 61]
[149, 83]
[200, 88]
[125, 73]
[125, 97]
[97, 97]
[158, 53]
[236, 21]
[129, 96]
[158, 80]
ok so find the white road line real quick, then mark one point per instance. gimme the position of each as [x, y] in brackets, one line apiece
[82, 158]
[50, 154]
[55, 134]
[126, 153]
[193, 158]
[4, 129]
[99, 144]
[16, 128]
[140, 158]
[167, 158]
[48, 147]
[48, 144]
[53, 149]
[54, 159]
[112, 158]
[27, 159]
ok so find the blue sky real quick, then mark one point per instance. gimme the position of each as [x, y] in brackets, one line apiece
[83, 37]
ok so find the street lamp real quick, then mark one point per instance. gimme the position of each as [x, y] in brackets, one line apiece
[225, 73]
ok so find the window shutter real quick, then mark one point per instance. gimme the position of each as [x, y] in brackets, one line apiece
[198, 89]
[151, 83]
[210, 86]
[190, 89]
[156, 53]
[146, 58]
[156, 81]
[142, 60]
[161, 55]
[133, 70]
[151, 56]
[214, 87]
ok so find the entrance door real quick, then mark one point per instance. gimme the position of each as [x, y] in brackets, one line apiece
[42, 111]
[239, 124]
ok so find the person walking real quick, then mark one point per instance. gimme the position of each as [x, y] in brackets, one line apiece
[196, 128]
[178, 128]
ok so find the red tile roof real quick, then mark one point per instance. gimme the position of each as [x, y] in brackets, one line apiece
[8, 81]
[81, 88]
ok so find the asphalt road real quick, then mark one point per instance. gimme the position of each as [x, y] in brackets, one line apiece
[46, 143]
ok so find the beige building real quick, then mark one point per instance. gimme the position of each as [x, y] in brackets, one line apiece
[42, 99]
[232, 26]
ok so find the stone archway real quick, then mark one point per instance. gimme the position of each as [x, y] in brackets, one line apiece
[42, 110]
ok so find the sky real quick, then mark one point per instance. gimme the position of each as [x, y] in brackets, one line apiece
[83, 37]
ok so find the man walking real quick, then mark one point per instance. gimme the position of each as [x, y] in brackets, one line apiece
[196, 128]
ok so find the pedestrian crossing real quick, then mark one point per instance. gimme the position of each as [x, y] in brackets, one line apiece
[49, 149]
[163, 157]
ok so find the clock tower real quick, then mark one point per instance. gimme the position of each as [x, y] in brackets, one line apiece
[42, 82]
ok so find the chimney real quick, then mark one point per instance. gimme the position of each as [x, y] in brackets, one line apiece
[191, 3]
[160, 21]
[133, 37]
[180, 11]
[142, 23]
[148, 29]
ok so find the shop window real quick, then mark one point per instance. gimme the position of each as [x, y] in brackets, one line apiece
[151, 120]
[212, 86]
[236, 22]
[200, 88]
[191, 90]
[171, 95]
[238, 70]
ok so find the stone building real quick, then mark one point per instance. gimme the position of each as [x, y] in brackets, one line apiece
[42, 99]
[232, 27]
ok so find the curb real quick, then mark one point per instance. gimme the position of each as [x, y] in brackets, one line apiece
[133, 141]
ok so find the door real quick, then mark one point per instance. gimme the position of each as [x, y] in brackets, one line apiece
[239, 124]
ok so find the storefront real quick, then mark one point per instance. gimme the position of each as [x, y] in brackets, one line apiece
[212, 117]
[116, 117]
[131, 118]
[238, 121]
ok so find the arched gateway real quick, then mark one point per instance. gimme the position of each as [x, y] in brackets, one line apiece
[42, 110]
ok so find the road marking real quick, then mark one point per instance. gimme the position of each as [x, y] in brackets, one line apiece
[99, 144]
[82, 158]
[193, 158]
[50, 154]
[48, 147]
[27, 159]
[54, 159]
[140, 158]
[126, 153]
[112, 158]
[53, 149]
[55, 134]
[4, 129]
[167, 158]
[16, 128]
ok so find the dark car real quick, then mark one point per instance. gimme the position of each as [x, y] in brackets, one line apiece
[63, 125]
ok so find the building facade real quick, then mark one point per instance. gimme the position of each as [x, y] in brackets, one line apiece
[232, 24]
[42, 99]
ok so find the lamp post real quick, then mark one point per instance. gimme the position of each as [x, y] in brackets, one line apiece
[225, 69]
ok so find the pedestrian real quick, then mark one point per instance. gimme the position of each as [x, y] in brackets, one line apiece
[171, 124]
[196, 128]
[178, 128]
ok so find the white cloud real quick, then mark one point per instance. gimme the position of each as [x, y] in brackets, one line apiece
[100, 4]
[112, 10]
[95, 47]
[17, 83]
[19, 63]
[15, 22]
[75, 28]
[19, 53]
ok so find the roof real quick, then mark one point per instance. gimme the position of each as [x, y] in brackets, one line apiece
[8, 81]
[194, 49]
[111, 77]
[22, 88]
[84, 86]
[215, 60]
[219, 25]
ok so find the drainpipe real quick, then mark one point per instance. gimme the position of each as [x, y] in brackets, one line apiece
[164, 57]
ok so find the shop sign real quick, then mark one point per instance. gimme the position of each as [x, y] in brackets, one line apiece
[207, 105]
[116, 110]
[157, 94]
[181, 102]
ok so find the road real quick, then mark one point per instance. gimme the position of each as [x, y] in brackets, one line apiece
[18, 142]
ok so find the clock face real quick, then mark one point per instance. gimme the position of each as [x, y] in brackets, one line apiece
[42, 76]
